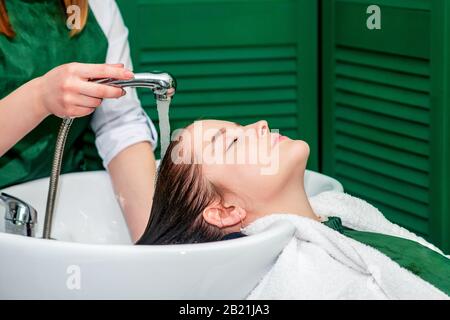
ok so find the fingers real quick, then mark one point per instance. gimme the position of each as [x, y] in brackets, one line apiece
[100, 91]
[80, 111]
[95, 71]
[118, 65]
[74, 111]
[73, 102]
[89, 102]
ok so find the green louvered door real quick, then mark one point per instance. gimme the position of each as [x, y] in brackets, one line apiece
[385, 109]
[237, 60]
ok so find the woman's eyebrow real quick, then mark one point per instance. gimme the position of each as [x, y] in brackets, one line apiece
[220, 132]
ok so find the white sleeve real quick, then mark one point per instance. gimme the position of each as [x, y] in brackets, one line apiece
[118, 123]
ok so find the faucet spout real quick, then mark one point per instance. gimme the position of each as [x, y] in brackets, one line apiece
[159, 83]
[20, 217]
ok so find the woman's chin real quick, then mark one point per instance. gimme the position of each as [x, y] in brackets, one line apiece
[294, 157]
[298, 149]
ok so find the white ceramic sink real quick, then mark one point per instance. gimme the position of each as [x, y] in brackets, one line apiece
[86, 210]
[93, 258]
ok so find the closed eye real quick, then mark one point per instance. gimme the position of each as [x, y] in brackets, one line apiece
[234, 140]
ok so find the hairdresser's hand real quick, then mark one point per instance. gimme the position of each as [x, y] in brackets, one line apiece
[170, 92]
[66, 91]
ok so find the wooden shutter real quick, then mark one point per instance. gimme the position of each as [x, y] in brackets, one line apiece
[380, 117]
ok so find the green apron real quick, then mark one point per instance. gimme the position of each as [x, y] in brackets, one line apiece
[42, 42]
[423, 262]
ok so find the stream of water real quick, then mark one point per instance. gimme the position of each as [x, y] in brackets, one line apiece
[164, 124]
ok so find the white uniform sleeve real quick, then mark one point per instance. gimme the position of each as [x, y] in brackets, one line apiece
[118, 123]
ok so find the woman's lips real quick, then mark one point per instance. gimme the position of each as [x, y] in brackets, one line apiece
[279, 138]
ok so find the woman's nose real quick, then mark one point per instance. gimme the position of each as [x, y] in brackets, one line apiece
[262, 127]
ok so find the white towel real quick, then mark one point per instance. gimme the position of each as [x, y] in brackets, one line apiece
[321, 263]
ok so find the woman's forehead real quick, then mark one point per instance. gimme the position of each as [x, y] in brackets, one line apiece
[209, 124]
[202, 130]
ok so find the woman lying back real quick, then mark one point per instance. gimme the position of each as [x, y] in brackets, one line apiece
[218, 177]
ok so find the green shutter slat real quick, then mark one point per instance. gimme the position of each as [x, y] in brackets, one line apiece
[371, 158]
[382, 60]
[241, 82]
[388, 93]
[236, 68]
[395, 203]
[238, 110]
[383, 138]
[224, 97]
[407, 4]
[383, 107]
[383, 182]
[385, 77]
[225, 54]
[406, 128]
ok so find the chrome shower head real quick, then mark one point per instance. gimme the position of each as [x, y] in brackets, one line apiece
[158, 82]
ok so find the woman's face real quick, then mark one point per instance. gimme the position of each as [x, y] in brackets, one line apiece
[252, 164]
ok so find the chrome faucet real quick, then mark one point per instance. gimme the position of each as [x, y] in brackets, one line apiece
[20, 217]
[159, 83]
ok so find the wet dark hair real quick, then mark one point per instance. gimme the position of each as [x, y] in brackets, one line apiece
[181, 194]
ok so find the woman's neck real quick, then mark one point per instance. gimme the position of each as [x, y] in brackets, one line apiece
[291, 199]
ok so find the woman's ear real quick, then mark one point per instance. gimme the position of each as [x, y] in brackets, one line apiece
[223, 217]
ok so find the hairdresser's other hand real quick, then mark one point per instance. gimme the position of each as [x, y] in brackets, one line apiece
[66, 91]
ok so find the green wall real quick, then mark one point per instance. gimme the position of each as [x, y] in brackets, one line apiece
[241, 60]
[385, 109]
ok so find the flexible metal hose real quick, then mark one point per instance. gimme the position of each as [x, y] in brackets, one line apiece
[54, 177]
